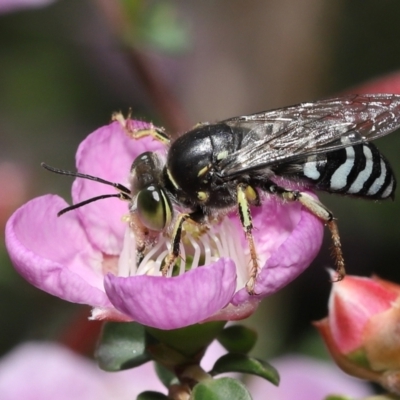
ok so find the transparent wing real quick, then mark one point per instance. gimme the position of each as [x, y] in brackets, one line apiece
[295, 132]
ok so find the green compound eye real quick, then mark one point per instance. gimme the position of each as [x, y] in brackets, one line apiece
[154, 208]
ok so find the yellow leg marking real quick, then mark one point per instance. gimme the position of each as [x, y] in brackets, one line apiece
[134, 133]
[245, 194]
[252, 196]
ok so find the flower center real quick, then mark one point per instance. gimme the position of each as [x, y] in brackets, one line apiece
[196, 249]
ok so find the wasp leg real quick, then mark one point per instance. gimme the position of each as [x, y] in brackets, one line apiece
[136, 133]
[175, 245]
[197, 218]
[320, 211]
[246, 195]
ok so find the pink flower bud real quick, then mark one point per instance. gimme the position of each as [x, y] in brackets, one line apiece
[362, 329]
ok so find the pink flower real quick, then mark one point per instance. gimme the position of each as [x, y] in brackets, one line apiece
[15, 5]
[362, 329]
[305, 378]
[14, 183]
[301, 378]
[86, 256]
[48, 371]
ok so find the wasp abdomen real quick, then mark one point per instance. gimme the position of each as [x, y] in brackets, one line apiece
[359, 170]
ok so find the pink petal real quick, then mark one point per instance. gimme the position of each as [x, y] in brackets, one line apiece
[53, 253]
[107, 153]
[237, 312]
[294, 255]
[170, 303]
[296, 244]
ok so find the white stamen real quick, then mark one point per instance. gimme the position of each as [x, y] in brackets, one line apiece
[148, 256]
[207, 249]
[221, 240]
[183, 260]
[197, 251]
[160, 259]
[127, 258]
[218, 244]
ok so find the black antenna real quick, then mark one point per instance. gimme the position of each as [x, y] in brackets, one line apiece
[118, 186]
[121, 196]
[125, 193]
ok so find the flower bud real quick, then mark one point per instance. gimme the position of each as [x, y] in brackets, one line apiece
[362, 329]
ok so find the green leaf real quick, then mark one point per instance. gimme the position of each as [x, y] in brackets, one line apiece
[238, 339]
[247, 365]
[167, 356]
[122, 345]
[220, 389]
[157, 25]
[149, 395]
[338, 397]
[165, 29]
[190, 340]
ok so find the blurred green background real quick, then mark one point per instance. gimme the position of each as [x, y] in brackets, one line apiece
[66, 67]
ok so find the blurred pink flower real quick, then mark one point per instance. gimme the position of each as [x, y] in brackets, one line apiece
[48, 371]
[301, 378]
[14, 184]
[85, 256]
[305, 378]
[7, 6]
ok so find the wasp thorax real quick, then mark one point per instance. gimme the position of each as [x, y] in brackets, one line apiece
[193, 166]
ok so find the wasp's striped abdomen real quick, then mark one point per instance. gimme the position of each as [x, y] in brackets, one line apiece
[359, 170]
